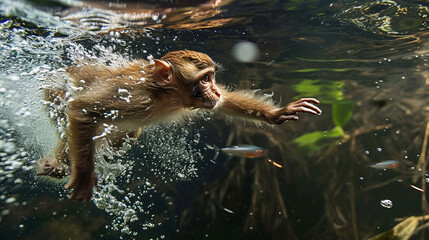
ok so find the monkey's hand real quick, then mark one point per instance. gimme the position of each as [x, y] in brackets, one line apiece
[289, 111]
[52, 167]
[82, 184]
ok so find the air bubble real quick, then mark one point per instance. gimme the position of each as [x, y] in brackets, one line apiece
[386, 203]
[155, 16]
[126, 230]
[9, 147]
[246, 52]
[10, 200]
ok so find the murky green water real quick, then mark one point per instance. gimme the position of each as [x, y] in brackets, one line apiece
[366, 61]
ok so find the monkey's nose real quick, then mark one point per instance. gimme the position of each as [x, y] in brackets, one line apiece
[217, 94]
[216, 91]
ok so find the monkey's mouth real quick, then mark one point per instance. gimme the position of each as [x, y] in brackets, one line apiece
[208, 99]
[210, 103]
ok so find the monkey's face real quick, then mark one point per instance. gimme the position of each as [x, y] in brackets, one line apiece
[194, 74]
[205, 93]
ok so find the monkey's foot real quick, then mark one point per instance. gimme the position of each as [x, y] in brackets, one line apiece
[49, 166]
[83, 185]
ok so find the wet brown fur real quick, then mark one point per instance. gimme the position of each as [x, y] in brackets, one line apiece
[100, 89]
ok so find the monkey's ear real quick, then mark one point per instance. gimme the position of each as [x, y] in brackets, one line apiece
[162, 73]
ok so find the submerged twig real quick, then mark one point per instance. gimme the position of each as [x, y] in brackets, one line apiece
[424, 226]
[352, 192]
[422, 157]
[383, 183]
[402, 231]
[420, 218]
[417, 188]
[422, 164]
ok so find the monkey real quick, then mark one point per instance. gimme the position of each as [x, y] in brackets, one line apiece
[140, 94]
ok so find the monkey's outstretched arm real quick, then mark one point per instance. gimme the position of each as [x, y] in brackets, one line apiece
[242, 104]
[81, 130]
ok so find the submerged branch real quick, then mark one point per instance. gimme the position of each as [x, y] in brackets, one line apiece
[422, 164]
[384, 183]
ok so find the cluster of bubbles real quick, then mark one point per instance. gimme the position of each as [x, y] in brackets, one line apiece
[15, 162]
[174, 150]
[26, 58]
[31, 62]
[167, 152]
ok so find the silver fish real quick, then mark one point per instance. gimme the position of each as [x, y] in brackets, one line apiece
[388, 164]
[246, 151]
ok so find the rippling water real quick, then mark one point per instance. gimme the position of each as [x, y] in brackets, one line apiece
[366, 61]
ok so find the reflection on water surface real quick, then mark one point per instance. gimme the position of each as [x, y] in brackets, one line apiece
[366, 62]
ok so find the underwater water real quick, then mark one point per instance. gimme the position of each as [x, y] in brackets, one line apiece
[366, 61]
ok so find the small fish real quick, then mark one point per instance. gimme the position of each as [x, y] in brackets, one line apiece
[227, 210]
[389, 164]
[246, 151]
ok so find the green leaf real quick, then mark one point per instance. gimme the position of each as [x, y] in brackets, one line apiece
[325, 90]
[342, 111]
[308, 138]
[311, 142]
[334, 133]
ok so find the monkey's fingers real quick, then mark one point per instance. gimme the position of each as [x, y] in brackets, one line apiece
[289, 117]
[82, 178]
[46, 169]
[82, 191]
[74, 182]
[82, 194]
[71, 184]
[304, 106]
[284, 118]
[83, 186]
[311, 100]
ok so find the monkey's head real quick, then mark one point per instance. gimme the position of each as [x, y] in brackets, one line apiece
[192, 74]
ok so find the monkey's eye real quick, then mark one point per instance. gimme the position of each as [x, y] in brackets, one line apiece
[205, 79]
